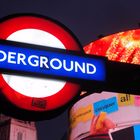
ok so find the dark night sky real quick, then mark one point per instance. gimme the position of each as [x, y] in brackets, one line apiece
[86, 19]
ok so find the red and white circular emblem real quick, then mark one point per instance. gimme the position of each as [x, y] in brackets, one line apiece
[37, 94]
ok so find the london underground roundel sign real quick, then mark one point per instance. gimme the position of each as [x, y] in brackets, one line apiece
[36, 94]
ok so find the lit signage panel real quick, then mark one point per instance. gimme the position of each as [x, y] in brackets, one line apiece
[51, 63]
[28, 92]
[121, 47]
[98, 114]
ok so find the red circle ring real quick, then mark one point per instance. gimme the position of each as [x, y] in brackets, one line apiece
[15, 23]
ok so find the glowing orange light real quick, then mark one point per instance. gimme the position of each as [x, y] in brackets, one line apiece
[123, 47]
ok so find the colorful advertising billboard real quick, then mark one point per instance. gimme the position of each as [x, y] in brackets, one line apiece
[99, 113]
[122, 47]
[96, 114]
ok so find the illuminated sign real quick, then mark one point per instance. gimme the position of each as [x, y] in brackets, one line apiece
[54, 63]
[99, 113]
[30, 93]
[122, 49]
